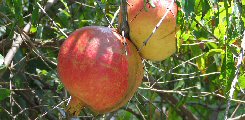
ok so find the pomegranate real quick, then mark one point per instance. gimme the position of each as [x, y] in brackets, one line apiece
[98, 71]
[141, 22]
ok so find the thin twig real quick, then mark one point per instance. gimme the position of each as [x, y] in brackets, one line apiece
[49, 4]
[43, 10]
[6, 111]
[52, 109]
[98, 2]
[188, 78]
[241, 117]
[204, 93]
[187, 61]
[203, 27]
[179, 66]
[236, 109]
[150, 102]
[142, 115]
[133, 112]
[181, 110]
[25, 109]
[235, 80]
[19, 40]
[114, 16]
[158, 24]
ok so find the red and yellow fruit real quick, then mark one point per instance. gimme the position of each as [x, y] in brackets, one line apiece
[142, 22]
[96, 71]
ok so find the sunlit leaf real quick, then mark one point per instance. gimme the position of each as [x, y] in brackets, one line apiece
[211, 52]
[33, 29]
[241, 81]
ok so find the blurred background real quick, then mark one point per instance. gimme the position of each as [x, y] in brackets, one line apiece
[194, 83]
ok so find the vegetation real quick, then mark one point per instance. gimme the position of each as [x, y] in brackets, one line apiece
[203, 80]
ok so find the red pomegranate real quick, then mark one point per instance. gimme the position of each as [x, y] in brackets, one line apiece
[97, 72]
[142, 19]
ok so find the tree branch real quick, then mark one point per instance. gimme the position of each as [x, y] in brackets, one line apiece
[235, 80]
[241, 117]
[133, 112]
[28, 96]
[182, 110]
[20, 38]
[15, 46]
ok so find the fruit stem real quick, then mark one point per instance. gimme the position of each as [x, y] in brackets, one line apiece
[74, 107]
[123, 26]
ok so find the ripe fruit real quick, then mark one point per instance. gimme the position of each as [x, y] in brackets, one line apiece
[142, 22]
[94, 68]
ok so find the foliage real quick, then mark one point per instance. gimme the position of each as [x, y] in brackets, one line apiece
[197, 77]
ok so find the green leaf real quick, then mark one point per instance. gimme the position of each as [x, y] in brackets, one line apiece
[179, 85]
[125, 116]
[35, 16]
[241, 81]
[19, 12]
[200, 60]
[229, 70]
[63, 18]
[212, 68]
[4, 93]
[185, 36]
[188, 7]
[60, 88]
[33, 29]
[44, 72]
[212, 45]
[173, 115]
[214, 51]
[103, 1]
[205, 6]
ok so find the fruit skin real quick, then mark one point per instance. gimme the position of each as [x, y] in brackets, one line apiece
[95, 70]
[141, 23]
